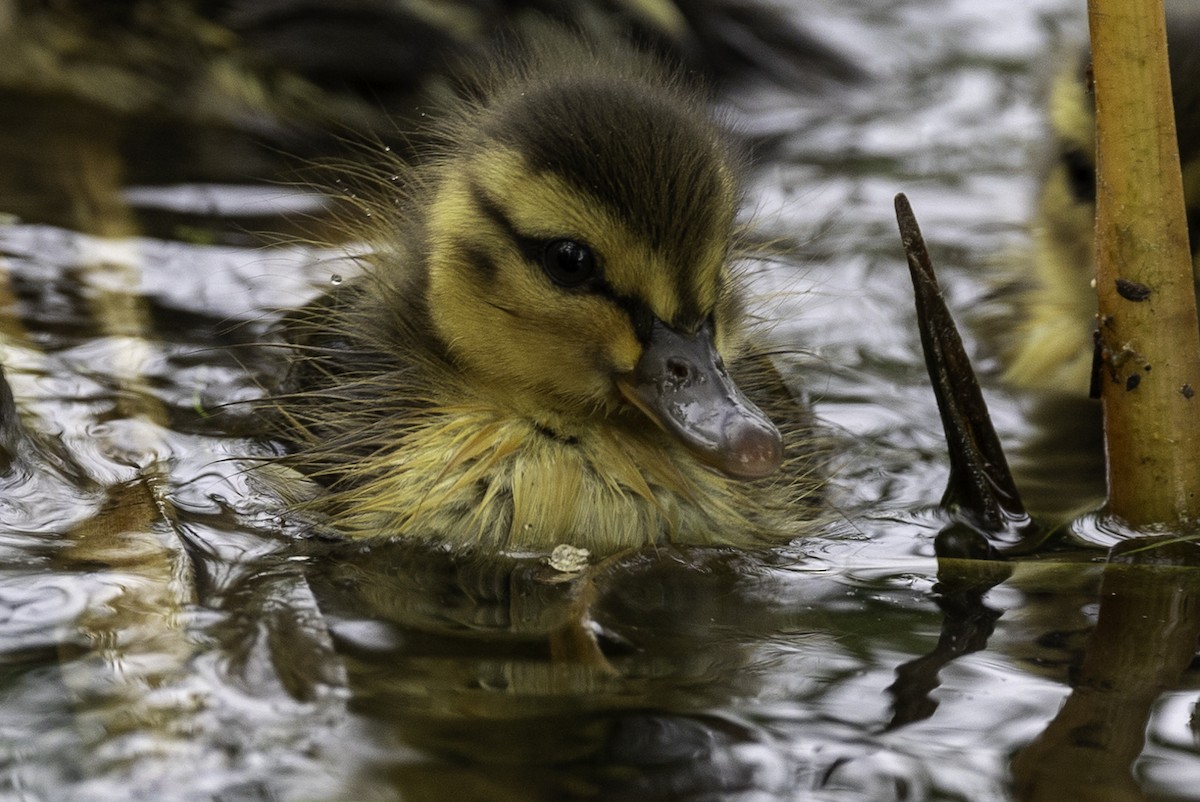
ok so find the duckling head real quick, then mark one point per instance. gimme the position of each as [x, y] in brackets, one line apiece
[578, 243]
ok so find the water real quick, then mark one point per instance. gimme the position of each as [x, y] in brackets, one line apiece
[166, 634]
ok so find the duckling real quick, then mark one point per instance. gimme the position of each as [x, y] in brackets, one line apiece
[549, 343]
[1052, 346]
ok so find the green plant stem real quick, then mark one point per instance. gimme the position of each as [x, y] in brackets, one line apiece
[1149, 340]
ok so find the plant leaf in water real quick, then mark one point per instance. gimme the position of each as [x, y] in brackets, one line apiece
[981, 489]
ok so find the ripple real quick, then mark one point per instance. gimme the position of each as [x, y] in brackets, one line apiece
[37, 612]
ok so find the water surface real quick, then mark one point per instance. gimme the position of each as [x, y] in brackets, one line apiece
[166, 633]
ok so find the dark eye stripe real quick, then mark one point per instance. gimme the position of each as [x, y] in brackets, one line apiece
[479, 257]
[641, 317]
[529, 247]
[639, 313]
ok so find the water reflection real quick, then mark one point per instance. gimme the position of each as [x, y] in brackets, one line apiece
[968, 622]
[167, 634]
[1144, 640]
[689, 639]
[477, 666]
[1120, 658]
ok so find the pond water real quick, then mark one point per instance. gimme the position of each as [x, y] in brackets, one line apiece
[164, 637]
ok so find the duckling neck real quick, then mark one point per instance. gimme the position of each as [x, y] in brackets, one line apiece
[554, 434]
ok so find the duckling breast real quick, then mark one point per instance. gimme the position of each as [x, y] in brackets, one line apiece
[477, 477]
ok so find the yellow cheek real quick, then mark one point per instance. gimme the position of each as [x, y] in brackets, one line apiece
[574, 347]
[730, 335]
[524, 336]
[624, 350]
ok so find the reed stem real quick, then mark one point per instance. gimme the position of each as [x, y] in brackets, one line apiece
[1148, 336]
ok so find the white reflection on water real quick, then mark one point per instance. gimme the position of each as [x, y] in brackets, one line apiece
[764, 677]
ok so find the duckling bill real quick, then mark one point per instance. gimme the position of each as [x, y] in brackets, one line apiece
[549, 342]
[680, 382]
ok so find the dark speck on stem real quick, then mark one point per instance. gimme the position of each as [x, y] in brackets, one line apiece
[1132, 290]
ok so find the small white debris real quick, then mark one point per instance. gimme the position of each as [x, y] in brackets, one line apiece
[569, 559]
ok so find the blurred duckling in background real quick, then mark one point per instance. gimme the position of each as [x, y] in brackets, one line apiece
[96, 96]
[550, 342]
[1052, 344]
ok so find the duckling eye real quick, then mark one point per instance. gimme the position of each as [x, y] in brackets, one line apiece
[568, 263]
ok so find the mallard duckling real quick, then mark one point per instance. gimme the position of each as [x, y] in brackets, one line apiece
[1053, 344]
[550, 344]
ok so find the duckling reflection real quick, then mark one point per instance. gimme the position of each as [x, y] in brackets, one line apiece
[449, 654]
[550, 341]
[1052, 349]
